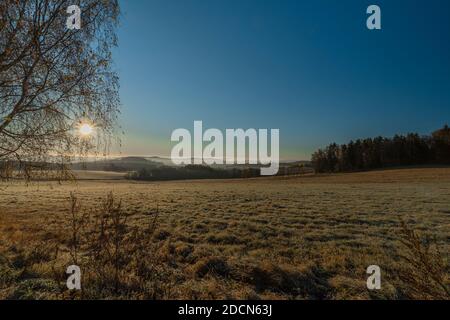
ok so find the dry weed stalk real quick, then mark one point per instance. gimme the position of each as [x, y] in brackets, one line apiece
[424, 271]
[117, 258]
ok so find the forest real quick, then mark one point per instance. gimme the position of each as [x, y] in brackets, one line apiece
[375, 153]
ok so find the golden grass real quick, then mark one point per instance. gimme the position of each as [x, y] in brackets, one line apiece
[309, 237]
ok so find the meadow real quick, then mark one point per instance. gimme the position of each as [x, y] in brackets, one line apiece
[296, 237]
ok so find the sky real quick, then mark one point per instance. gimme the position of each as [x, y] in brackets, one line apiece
[309, 68]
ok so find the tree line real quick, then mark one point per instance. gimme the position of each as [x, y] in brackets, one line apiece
[190, 172]
[380, 152]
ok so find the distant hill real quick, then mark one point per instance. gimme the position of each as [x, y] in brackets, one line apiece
[234, 171]
[125, 164]
[160, 168]
[161, 160]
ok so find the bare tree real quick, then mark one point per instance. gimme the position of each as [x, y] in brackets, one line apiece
[52, 79]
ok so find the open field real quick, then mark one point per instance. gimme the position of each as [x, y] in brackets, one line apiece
[306, 237]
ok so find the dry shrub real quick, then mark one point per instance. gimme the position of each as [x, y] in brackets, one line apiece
[117, 259]
[423, 272]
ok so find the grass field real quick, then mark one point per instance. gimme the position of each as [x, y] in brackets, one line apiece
[308, 237]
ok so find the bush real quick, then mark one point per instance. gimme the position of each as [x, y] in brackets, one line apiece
[117, 259]
[424, 271]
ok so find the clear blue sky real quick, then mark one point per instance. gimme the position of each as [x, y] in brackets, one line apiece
[310, 68]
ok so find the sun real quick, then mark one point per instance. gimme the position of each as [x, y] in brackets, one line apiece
[85, 129]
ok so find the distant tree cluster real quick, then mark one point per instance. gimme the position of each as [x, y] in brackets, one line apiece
[191, 172]
[379, 152]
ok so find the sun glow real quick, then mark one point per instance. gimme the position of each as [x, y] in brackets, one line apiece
[85, 129]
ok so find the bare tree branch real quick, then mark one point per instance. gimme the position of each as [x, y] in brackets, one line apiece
[52, 77]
